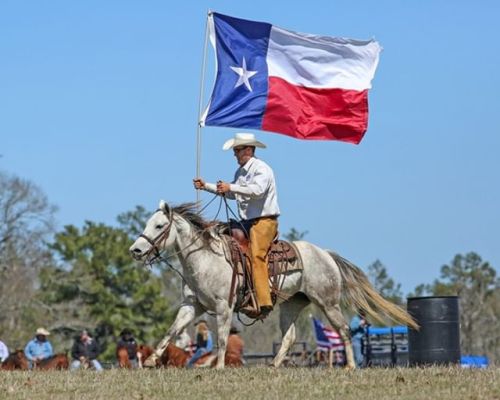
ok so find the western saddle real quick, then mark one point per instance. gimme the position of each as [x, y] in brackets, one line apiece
[283, 257]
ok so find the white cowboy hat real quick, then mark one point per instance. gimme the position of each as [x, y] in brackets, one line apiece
[243, 139]
[42, 331]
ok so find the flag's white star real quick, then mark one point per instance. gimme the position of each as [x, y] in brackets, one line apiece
[244, 75]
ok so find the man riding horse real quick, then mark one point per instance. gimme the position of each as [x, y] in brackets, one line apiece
[254, 189]
[39, 348]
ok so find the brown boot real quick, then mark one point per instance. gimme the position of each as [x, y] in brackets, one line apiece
[265, 311]
[256, 313]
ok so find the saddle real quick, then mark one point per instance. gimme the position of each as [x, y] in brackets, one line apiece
[283, 257]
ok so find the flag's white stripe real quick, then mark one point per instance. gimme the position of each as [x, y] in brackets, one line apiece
[321, 61]
[331, 333]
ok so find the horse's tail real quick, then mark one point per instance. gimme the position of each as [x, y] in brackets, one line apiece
[359, 293]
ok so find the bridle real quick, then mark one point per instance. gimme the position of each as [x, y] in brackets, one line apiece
[162, 237]
[158, 240]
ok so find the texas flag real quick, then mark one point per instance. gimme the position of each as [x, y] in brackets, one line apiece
[301, 85]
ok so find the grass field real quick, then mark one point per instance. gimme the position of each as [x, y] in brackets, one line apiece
[255, 383]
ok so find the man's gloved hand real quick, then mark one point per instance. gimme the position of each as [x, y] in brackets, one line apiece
[198, 183]
[223, 187]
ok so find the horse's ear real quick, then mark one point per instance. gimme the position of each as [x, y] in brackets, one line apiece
[164, 207]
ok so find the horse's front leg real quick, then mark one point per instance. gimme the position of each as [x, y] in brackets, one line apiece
[186, 314]
[224, 317]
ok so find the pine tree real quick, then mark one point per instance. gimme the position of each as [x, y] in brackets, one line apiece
[96, 285]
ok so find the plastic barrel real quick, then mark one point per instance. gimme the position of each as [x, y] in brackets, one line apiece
[438, 340]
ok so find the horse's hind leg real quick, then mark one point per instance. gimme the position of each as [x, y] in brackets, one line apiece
[339, 323]
[289, 312]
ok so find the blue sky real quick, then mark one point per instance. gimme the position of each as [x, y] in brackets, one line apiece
[98, 106]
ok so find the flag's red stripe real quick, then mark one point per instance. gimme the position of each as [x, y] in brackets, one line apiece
[316, 114]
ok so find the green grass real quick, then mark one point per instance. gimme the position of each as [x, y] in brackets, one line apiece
[255, 383]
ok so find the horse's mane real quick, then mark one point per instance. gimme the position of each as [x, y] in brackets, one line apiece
[189, 211]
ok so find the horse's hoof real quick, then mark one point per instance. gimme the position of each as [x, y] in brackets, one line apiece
[349, 367]
[151, 361]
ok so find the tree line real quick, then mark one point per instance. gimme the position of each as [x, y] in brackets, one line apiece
[83, 277]
[74, 279]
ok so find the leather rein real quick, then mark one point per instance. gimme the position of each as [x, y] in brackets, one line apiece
[161, 239]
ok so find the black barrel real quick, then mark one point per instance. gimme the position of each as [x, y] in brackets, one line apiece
[438, 340]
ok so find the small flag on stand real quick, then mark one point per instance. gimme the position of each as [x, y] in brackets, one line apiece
[326, 338]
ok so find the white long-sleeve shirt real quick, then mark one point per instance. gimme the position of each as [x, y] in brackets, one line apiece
[254, 189]
[4, 351]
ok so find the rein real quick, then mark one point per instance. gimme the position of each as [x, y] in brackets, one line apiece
[162, 237]
[229, 210]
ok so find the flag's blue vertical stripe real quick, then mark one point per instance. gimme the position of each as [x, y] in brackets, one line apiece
[237, 39]
[320, 332]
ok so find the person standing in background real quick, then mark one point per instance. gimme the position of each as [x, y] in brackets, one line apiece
[358, 327]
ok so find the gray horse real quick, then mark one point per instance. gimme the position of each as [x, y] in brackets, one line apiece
[325, 279]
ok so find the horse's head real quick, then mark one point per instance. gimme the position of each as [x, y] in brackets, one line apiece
[22, 360]
[157, 236]
[143, 353]
[16, 360]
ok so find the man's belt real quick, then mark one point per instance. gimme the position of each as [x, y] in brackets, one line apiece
[251, 220]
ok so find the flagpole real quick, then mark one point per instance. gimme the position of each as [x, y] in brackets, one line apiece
[200, 105]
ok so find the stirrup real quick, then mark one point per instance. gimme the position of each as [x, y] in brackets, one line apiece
[249, 311]
[256, 313]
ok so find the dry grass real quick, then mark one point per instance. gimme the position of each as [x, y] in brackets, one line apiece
[255, 383]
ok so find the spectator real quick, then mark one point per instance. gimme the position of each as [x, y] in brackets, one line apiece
[358, 327]
[4, 352]
[234, 349]
[128, 342]
[39, 348]
[85, 351]
[204, 343]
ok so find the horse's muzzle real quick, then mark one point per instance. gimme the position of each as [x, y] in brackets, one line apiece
[136, 253]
